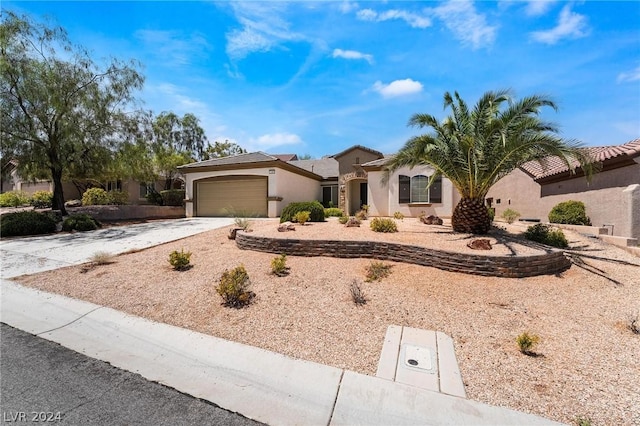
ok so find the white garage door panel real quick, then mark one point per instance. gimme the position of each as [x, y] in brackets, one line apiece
[228, 197]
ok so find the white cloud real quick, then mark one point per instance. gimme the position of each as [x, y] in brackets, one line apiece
[352, 54]
[538, 7]
[414, 20]
[570, 25]
[262, 28]
[272, 140]
[461, 18]
[633, 75]
[397, 88]
[348, 6]
[172, 46]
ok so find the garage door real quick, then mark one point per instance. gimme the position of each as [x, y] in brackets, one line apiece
[238, 196]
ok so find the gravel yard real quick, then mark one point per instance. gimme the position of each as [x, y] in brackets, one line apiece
[587, 363]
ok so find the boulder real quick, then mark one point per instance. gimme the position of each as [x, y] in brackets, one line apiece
[480, 244]
[286, 226]
[73, 203]
[431, 220]
[352, 222]
[233, 232]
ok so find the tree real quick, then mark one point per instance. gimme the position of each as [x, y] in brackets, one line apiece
[222, 149]
[59, 111]
[476, 148]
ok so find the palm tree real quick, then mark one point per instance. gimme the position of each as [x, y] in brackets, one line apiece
[476, 148]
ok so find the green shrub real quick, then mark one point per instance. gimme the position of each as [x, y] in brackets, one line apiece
[333, 212]
[361, 215]
[569, 212]
[26, 223]
[302, 217]
[526, 342]
[242, 223]
[491, 211]
[313, 207]
[95, 197]
[233, 288]
[343, 219]
[544, 234]
[279, 265]
[377, 271]
[117, 198]
[13, 199]
[180, 260]
[398, 215]
[154, 197]
[172, 197]
[383, 224]
[80, 222]
[42, 199]
[510, 215]
[583, 421]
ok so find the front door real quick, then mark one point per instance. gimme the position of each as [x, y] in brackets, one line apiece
[363, 194]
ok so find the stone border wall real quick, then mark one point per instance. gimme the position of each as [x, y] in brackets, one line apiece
[492, 266]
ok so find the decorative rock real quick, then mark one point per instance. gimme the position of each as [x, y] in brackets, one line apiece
[233, 232]
[352, 222]
[73, 203]
[480, 244]
[431, 220]
[286, 226]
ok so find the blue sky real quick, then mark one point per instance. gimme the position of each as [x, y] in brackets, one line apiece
[317, 77]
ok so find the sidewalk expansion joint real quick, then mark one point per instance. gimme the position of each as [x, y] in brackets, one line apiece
[335, 401]
[70, 322]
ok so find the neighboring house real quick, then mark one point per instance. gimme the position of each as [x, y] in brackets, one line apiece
[612, 198]
[137, 190]
[259, 184]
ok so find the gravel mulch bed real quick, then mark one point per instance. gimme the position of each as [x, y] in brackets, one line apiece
[587, 364]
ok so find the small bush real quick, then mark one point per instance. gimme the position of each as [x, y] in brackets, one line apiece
[398, 215]
[154, 197]
[377, 271]
[491, 211]
[95, 197]
[365, 208]
[242, 222]
[102, 258]
[383, 224]
[315, 209]
[14, 199]
[26, 223]
[80, 222]
[526, 342]
[333, 212]
[357, 295]
[634, 323]
[279, 265]
[343, 219]
[180, 260]
[42, 199]
[233, 288]
[173, 197]
[302, 217]
[583, 421]
[569, 212]
[361, 215]
[510, 215]
[117, 198]
[543, 234]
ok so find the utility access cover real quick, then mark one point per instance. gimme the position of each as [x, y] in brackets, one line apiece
[418, 357]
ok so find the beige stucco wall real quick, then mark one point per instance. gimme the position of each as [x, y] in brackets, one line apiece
[605, 198]
[346, 162]
[281, 183]
[383, 199]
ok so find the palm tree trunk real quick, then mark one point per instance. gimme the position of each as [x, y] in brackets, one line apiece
[471, 216]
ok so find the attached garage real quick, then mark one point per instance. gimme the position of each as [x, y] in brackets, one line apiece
[232, 195]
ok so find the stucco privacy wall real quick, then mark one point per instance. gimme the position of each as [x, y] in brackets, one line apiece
[610, 198]
[280, 183]
[383, 199]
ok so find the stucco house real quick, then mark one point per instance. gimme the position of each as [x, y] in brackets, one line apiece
[259, 184]
[612, 198]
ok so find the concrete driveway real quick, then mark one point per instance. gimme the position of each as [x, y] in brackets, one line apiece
[42, 253]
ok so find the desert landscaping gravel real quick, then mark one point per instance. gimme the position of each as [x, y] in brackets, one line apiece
[587, 364]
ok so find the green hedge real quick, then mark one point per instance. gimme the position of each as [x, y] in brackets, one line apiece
[333, 211]
[313, 207]
[42, 199]
[26, 223]
[80, 222]
[14, 199]
[544, 234]
[570, 212]
[172, 197]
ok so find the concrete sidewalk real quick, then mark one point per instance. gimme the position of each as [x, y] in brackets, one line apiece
[261, 385]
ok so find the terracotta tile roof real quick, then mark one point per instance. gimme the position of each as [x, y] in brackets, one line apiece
[554, 165]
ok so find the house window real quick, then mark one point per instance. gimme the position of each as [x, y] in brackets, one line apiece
[114, 185]
[415, 190]
[146, 189]
[330, 195]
